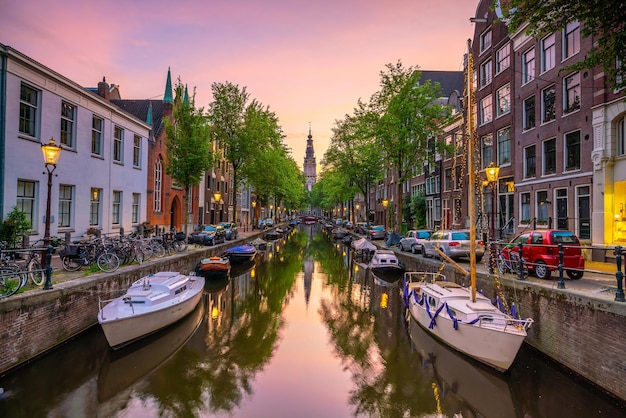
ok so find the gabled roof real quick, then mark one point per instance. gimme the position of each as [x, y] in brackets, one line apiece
[140, 109]
[448, 80]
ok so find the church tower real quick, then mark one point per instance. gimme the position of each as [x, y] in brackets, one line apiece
[310, 167]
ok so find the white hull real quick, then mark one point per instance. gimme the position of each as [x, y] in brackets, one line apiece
[494, 338]
[144, 311]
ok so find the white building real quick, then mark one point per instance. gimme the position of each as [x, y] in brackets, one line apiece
[100, 179]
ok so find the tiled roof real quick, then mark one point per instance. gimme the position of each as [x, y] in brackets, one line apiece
[139, 109]
[449, 80]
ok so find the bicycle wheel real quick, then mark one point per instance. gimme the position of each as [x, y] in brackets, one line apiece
[35, 272]
[11, 279]
[179, 245]
[72, 264]
[158, 249]
[502, 264]
[108, 262]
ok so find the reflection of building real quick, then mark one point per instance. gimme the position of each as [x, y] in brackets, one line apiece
[309, 269]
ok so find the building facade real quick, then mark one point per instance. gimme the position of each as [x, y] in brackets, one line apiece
[100, 180]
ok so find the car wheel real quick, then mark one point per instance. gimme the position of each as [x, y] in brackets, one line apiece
[575, 274]
[424, 252]
[414, 249]
[541, 270]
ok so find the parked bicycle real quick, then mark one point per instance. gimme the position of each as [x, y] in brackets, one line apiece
[509, 261]
[17, 267]
[75, 256]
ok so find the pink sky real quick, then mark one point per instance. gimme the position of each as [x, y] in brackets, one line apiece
[309, 61]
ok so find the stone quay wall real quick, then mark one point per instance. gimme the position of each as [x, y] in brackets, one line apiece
[581, 332]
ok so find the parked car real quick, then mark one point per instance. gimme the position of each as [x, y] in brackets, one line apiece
[230, 230]
[261, 224]
[269, 222]
[540, 250]
[377, 232]
[453, 243]
[414, 239]
[208, 235]
[360, 228]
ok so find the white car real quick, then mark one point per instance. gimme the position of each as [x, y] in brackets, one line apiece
[414, 239]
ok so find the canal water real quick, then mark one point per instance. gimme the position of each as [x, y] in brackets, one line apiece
[305, 331]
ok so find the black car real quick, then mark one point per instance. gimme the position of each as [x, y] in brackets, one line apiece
[230, 230]
[208, 235]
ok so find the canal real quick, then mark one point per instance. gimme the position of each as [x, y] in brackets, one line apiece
[305, 331]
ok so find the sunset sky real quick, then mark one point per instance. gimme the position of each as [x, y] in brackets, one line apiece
[309, 61]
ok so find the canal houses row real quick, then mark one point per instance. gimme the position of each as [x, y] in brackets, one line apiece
[558, 138]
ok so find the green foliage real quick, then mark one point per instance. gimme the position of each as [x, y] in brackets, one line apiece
[602, 20]
[14, 227]
[418, 211]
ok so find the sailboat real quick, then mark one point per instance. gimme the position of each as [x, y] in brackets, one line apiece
[456, 315]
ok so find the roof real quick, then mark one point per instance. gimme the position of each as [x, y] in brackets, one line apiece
[139, 109]
[448, 80]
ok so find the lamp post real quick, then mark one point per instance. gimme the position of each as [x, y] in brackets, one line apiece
[253, 214]
[385, 204]
[217, 196]
[492, 179]
[357, 207]
[51, 153]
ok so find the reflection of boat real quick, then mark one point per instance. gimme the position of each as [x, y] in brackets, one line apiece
[240, 253]
[486, 392]
[213, 266]
[272, 235]
[242, 268]
[123, 367]
[217, 283]
[339, 233]
[474, 327]
[150, 304]
[385, 265]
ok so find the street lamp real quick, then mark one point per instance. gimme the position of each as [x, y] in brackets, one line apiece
[492, 173]
[217, 196]
[385, 204]
[51, 153]
[253, 214]
[357, 207]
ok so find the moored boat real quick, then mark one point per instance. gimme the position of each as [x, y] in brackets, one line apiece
[241, 253]
[386, 266]
[213, 266]
[476, 327]
[150, 304]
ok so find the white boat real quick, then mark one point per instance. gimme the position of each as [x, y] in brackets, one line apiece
[386, 262]
[150, 304]
[476, 328]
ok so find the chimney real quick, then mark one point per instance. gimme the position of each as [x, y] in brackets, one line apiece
[103, 89]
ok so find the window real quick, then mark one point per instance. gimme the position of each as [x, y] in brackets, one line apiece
[503, 58]
[97, 124]
[524, 208]
[118, 144]
[547, 104]
[158, 180]
[571, 39]
[66, 194]
[572, 151]
[29, 100]
[549, 156]
[94, 207]
[137, 151]
[504, 146]
[571, 93]
[486, 73]
[504, 100]
[621, 136]
[530, 161]
[528, 66]
[136, 203]
[485, 40]
[542, 206]
[547, 53]
[26, 192]
[458, 178]
[68, 117]
[529, 113]
[619, 68]
[447, 185]
[486, 150]
[486, 114]
[116, 207]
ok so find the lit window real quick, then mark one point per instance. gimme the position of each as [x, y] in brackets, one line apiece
[94, 207]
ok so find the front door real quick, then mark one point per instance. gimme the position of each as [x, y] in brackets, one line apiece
[584, 213]
[561, 209]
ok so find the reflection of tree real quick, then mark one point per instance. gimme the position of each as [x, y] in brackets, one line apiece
[215, 377]
[374, 348]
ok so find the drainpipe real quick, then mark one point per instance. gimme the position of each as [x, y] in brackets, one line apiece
[3, 95]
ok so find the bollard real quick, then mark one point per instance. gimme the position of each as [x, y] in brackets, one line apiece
[619, 295]
[561, 284]
[48, 284]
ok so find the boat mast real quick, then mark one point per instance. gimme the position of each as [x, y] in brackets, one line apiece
[471, 189]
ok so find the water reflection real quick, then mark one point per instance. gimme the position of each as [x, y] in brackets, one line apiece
[307, 330]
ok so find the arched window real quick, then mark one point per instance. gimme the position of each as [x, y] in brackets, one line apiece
[621, 136]
[158, 185]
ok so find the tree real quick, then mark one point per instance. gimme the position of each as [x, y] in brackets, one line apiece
[602, 20]
[188, 144]
[410, 121]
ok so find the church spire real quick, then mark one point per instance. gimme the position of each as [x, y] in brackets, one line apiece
[310, 165]
[168, 97]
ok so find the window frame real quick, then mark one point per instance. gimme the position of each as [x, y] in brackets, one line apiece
[486, 73]
[524, 208]
[571, 95]
[158, 185]
[486, 150]
[575, 147]
[29, 111]
[27, 200]
[486, 40]
[66, 204]
[503, 61]
[527, 124]
[547, 51]
[548, 157]
[137, 142]
[504, 146]
[116, 208]
[620, 136]
[530, 162]
[97, 135]
[486, 111]
[136, 207]
[548, 115]
[571, 30]
[95, 206]
[118, 145]
[67, 133]
[528, 66]
[500, 111]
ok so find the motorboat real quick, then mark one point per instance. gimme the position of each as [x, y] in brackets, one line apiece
[476, 328]
[385, 264]
[150, 304]
[259, 243]
[213, 266]
[363, 248]
[240, 253]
